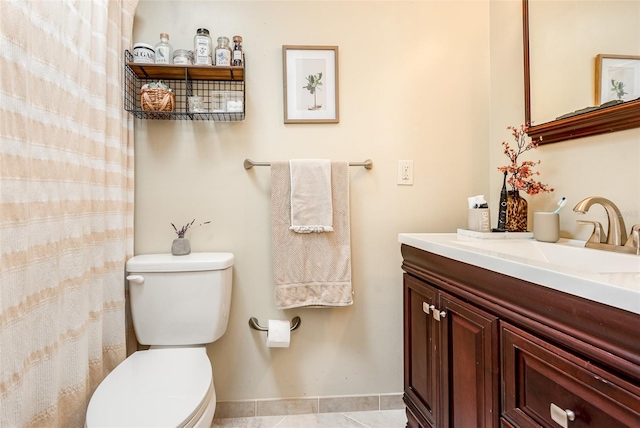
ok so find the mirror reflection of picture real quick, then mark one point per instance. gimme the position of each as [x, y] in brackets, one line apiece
[617, 78]
[561, 40]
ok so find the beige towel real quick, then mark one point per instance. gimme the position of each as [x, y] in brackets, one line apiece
[311, 209]
[311, 269]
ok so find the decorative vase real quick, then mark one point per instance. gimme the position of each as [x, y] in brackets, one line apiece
[516, 212]
[180, 247]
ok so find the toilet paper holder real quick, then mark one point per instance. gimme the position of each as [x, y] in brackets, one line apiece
[253, 323]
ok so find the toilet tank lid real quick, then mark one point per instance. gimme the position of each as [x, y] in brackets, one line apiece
[189, 263]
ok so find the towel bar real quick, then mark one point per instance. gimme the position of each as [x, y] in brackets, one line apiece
[253, 323]
[248, 164]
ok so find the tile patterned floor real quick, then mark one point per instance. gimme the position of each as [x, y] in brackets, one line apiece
[373, 419]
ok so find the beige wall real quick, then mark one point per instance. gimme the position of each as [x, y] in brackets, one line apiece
[414, 84]
[436, 82]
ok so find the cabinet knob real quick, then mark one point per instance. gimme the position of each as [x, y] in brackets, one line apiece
[426, 307]
[437, 315]
[561, 416]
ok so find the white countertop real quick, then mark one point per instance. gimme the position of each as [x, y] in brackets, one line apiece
[528, 260]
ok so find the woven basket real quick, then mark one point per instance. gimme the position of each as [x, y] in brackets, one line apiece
[157, 100]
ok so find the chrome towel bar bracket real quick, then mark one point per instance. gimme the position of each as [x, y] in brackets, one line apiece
[248, 164]
[253, 323]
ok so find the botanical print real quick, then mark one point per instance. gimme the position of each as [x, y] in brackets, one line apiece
[310, 84]
[617, 78]
[309, 77]
[621, 83]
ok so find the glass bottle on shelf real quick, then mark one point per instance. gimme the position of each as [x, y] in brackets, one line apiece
[202, 47]
[237, 51]
[223, 52]
[164, 51]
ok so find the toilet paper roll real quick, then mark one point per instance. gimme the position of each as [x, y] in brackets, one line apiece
[278, 334]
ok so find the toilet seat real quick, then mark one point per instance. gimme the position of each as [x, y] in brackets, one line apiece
[161, 387]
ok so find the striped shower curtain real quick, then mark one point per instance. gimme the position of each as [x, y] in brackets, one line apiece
[66, 205]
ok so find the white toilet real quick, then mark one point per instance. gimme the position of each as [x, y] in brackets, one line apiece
[178, 305]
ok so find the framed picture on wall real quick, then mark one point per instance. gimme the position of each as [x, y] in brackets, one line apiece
[310, 84]
[617, 78]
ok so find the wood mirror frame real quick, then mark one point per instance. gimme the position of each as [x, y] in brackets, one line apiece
[611, 119]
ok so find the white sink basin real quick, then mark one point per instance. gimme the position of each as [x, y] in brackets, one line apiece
[603, 276]
[566, 252]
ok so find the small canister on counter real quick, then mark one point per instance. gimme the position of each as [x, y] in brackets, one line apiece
[223, 52]
[203, 47]
[183, 57]
[236, 60]
[144, 53]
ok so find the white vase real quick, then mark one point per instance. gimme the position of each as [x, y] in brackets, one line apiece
[180, 247]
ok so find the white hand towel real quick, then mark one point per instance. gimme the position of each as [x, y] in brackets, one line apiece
[311, 207]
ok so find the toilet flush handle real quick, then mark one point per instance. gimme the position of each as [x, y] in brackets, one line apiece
[138, 279]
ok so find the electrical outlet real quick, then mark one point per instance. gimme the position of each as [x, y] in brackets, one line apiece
[405, 172]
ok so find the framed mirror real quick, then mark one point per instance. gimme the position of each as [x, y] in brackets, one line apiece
[558, 72]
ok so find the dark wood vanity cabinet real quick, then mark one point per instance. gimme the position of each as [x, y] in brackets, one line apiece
[547, 386]
[451, 350]
[421, 338]
[483, 349]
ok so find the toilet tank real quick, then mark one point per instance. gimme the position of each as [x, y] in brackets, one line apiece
[180, 300]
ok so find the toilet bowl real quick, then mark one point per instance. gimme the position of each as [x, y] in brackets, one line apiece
[178, 304]
[156, 388]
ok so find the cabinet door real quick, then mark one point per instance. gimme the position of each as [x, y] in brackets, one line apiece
[547, 386]
[470, 363]
[420, 374]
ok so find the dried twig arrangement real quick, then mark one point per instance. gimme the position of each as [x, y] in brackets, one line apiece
[186, 227]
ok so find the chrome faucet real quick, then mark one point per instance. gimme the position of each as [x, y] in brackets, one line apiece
[616, 237]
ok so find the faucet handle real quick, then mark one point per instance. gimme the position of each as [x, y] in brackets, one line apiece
[598, 234]
[634, 238]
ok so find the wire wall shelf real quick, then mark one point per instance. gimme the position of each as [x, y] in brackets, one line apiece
[221, 90]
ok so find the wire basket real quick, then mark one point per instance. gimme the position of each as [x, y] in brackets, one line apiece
[157, 99]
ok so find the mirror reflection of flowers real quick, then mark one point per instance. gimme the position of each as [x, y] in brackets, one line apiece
[521, 174]
[186, 227]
